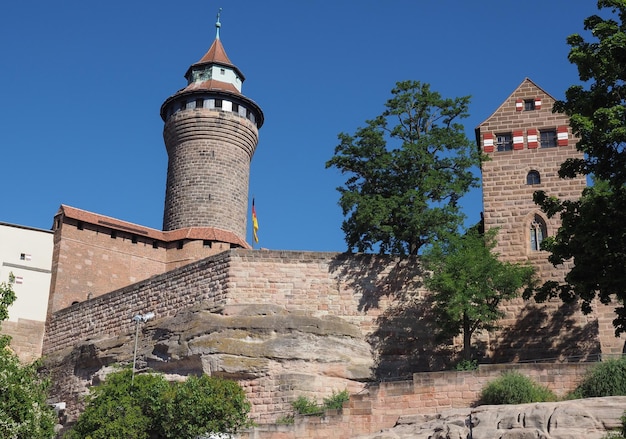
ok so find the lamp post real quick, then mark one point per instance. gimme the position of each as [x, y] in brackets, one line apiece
[470, 423]
[139, 318]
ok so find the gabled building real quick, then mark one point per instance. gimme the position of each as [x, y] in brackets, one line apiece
[525, 142]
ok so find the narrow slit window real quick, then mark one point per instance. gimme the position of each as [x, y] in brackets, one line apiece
[538, 233]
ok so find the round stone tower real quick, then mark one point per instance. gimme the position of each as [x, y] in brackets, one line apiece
[210, 133]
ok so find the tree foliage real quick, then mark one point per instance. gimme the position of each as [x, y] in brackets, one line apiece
[468, 283]
[24, 412]
[593, 231]
[150, 407]
[407, 170]
[7, 297]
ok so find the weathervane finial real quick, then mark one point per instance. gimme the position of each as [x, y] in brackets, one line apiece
[218, 24]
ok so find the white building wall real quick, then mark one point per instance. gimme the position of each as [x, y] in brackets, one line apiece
[27, 253]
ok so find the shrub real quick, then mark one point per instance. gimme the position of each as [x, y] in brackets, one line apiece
[515, 388]
[607, 378]
[149, 406]
[466, 365]
[285, 420]
[306, 406]
[336, 400]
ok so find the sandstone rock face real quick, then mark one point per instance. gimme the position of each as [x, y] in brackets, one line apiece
[277, 355]
[586, 418]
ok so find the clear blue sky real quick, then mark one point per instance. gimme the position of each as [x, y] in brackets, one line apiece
[82, 84]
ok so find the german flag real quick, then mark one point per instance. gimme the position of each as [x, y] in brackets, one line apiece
[255, 223]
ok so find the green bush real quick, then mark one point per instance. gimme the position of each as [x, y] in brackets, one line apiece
[306, 406]
[515, 388]
[285, 420]
[336, 400]
[607, 378]
[464, 365]
[149, 406]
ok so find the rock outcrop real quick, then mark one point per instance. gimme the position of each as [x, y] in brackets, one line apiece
[264, 347]
[585, 418]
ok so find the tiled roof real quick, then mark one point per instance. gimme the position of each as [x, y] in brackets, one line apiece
[211, 84]
[216, 54]
[195, 233]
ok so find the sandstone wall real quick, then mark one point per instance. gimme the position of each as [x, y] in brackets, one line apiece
[165, 295]
[26, 337]
[380, 406]
[88, 261]
[286, 324]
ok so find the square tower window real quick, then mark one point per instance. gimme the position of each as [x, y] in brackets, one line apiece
[529, 104]
[547, 138]
[504, 142]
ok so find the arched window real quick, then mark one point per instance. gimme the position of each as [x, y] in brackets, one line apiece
[533, 177]
[538, 232]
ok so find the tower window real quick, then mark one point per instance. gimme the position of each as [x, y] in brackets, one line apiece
[207, 243]
[179, 245]
[218, 103]
[548, 138]
[199, 103]
[533, 177]
[113, 234]
[504, 142]
[155, 244]
[235, 108]
[538, 232]
[529, 104]
[222, 71]
[134, 239]
[80, 225]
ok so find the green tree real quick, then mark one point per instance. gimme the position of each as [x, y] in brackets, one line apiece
[468, 283]
[205, 404]
[150, 407]
[122, 407]
[24, 413]
[407, 170]
[593, 231]
[7, 297]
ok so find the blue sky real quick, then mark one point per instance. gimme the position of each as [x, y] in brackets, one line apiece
[83, 82]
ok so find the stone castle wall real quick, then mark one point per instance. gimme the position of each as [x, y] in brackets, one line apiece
[381, 405]
[367, 291]
[89, 261]
[165, 295]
